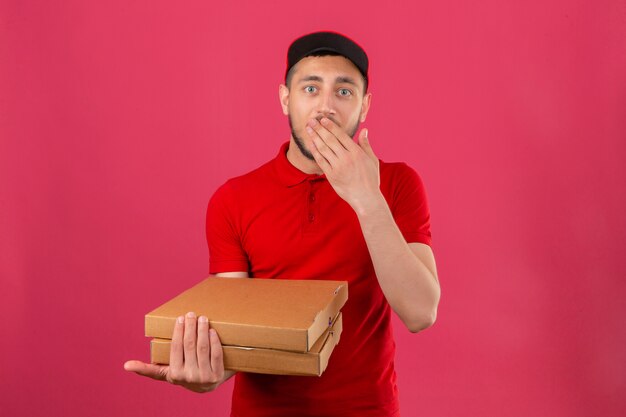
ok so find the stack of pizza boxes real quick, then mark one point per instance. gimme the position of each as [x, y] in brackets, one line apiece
[270, 326]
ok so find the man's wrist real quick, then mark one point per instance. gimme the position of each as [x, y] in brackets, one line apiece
[373, 205]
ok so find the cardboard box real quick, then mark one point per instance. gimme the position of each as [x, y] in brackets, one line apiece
[262, 313]
[268, 361]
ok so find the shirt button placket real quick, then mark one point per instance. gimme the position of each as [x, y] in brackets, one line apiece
[311, 213]
[311, 207]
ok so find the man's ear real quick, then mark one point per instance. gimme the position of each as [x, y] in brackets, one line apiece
[283, 95]
[365, 106]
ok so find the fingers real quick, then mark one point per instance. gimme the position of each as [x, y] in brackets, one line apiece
[328, 136]
[364, 143]
[362, 139]
[326, 141]
[320, 159]
[150, 370]
[189, 341]
[176, 348]
[338, 133]
[217, 356]
[321, 147]
[203, 349]
[196, 358]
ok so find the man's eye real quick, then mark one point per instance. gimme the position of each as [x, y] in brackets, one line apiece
[310, 89]
[344, 92]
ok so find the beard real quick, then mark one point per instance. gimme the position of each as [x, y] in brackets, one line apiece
[300, 142]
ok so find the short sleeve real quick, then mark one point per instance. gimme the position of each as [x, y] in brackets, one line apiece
[409, 204]
[226, 253]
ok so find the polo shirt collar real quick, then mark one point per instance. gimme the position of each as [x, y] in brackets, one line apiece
[288, 174]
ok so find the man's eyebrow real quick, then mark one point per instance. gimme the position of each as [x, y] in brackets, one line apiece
[338, 80]
[310, 78]
[346, 80]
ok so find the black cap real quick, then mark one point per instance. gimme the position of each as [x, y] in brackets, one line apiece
[320, 42]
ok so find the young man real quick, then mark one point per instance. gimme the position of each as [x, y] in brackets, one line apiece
[324, 208]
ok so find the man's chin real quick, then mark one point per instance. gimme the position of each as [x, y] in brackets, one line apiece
[302, 147]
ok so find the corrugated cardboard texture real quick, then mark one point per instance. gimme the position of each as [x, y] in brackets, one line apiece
[268, 361]
[265, 313]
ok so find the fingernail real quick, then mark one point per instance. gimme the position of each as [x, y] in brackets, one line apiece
[324, 121]
[180, 319]
[308, 129]
[191, 315]
[312, 122]
[203, 319]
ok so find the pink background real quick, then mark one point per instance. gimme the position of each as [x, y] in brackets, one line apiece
[118, 119]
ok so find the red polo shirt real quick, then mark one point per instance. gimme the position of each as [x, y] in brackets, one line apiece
[278, 222]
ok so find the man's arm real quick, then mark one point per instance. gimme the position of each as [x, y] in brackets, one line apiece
[406, 272]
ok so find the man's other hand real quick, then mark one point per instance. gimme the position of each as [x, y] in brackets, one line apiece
[196, 357]
[351, 168]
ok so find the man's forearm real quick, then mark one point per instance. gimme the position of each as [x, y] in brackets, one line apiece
[410, 286]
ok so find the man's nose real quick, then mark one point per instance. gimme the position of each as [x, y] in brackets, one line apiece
[326, 104]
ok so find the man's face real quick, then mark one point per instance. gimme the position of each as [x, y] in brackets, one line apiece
[329, 86]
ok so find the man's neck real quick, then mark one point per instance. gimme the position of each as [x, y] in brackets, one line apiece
[304, 164]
